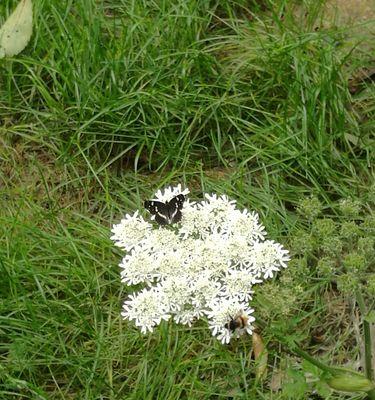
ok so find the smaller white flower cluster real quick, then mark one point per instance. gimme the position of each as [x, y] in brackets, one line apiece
[204, 266]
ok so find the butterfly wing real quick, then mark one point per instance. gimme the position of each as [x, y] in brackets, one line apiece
[175, 207]
[159, 209]
[168, 212]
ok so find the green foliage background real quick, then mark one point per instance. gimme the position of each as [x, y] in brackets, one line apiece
[113, 99]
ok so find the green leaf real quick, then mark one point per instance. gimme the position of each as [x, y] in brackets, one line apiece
[16, 32]
[295, 387]
[370, 317]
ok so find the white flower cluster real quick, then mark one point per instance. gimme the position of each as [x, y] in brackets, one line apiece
[204, 266]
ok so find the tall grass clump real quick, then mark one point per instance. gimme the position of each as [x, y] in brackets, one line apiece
[297, 115]
[129, 81]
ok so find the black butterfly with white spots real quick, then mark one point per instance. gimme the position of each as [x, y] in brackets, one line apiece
[166, 213]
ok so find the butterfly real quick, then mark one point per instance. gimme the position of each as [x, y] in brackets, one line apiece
[168, 212]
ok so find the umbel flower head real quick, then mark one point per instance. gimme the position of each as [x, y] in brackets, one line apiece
[203, 266]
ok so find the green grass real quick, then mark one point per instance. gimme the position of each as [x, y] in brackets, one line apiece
[113, 99]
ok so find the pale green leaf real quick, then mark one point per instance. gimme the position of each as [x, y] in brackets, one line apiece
[17, 29]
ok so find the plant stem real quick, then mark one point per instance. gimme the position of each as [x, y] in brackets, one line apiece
[367, 334]
[295, 349]
[311, 359]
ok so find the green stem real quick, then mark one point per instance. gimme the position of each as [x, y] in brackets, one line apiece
[312, 360]
[367, 334]
[295, 349]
